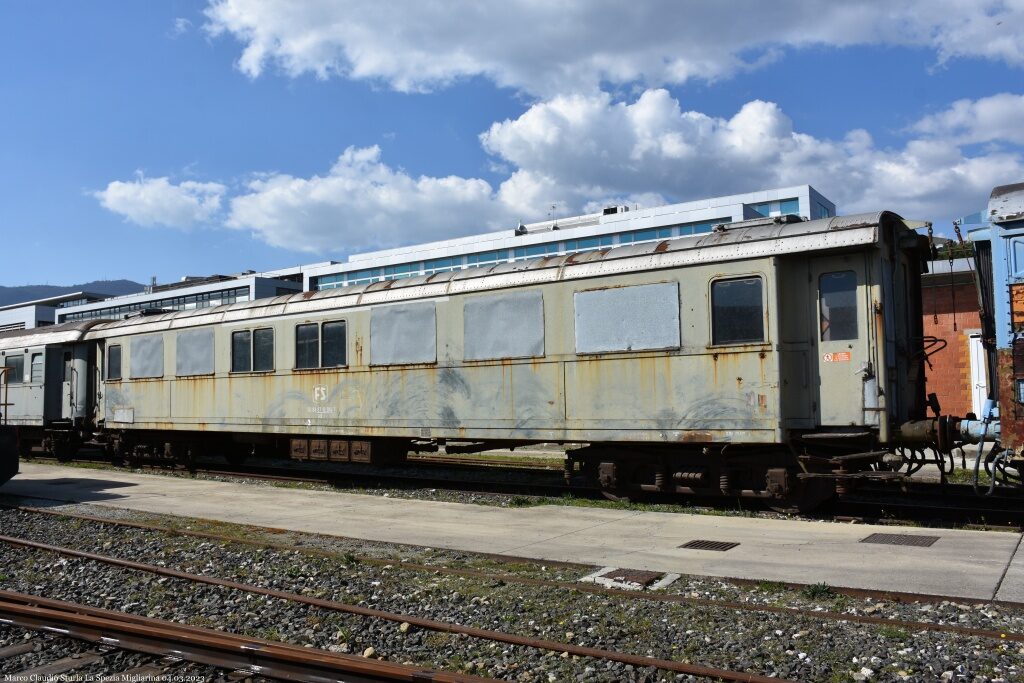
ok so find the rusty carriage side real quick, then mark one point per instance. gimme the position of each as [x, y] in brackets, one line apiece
[736, 362]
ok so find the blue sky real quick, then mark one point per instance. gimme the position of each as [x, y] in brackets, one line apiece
[163, 139]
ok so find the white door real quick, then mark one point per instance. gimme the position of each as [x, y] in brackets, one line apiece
[842, 338]
[979, 375]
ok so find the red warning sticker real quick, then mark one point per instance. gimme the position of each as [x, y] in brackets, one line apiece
[837, 357]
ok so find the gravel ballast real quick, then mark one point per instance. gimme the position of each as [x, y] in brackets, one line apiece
[369, 575]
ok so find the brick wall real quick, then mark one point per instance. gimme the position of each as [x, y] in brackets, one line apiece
[949, 377]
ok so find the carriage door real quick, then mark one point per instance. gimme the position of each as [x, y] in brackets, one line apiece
[67, 392]
[839, 287]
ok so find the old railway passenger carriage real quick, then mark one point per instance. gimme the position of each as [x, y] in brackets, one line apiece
[736, 362]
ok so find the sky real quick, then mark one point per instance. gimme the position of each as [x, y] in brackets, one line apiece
[163, 139]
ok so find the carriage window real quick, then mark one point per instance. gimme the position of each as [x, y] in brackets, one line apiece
[114, 362]
[334, 345]
[241, 351]
[737, 311]
[252, 350]
[15, 369]
[837, 304]
[37, 368]
[307, 346]
[263, 350]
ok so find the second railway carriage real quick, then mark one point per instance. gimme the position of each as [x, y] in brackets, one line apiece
[47, 395]
[736, 362]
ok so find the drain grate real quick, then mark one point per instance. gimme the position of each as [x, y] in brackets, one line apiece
[701, 544]
[902, 539]
[644, 578]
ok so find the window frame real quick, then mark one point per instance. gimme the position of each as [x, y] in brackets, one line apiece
[120, 363]
[765, 327]
[32, 368]
[8, 374]
[253, 370]
[320, 346]
[822, 331]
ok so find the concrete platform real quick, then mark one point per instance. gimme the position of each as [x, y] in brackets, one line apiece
[967, 564]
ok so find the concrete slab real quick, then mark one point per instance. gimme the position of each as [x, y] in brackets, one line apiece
[967, 564]
[1011, 589]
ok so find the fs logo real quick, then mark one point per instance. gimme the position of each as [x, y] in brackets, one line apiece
[319, 393]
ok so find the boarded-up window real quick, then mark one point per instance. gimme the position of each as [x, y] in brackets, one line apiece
[147, 356]
[634, 318]
[400, 335]
[194, 353]
[504, 326]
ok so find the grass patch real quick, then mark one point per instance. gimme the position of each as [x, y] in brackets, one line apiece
[893, 633]
[819, 591]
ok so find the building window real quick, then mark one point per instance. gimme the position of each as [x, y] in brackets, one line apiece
[536, 250]
[320, 346]
[737, 311]
[837, 305]
[15, 369]
[36, 376]
[114, 362]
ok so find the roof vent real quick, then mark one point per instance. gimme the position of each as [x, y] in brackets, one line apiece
[520, 229]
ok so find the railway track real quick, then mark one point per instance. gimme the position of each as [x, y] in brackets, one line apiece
[594, 589]
[275, 658]
[230, 652]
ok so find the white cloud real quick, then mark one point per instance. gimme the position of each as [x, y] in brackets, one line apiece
[582, 153]
[180, 27]
[580, 149]
[548, 48]
[363, 203]
[157, 201]
[999, 117]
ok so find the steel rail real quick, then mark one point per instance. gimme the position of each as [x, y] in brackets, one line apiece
[420, 622]
[993, 634]
[206, 646]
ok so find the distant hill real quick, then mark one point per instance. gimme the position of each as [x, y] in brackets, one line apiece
[17, 295]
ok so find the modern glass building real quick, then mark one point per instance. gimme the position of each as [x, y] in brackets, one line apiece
[614, 226]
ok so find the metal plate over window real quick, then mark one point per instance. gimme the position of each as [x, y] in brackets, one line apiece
[633, 318]
[147, 356]
[401, 335]
[194, 354]
[504, 326]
